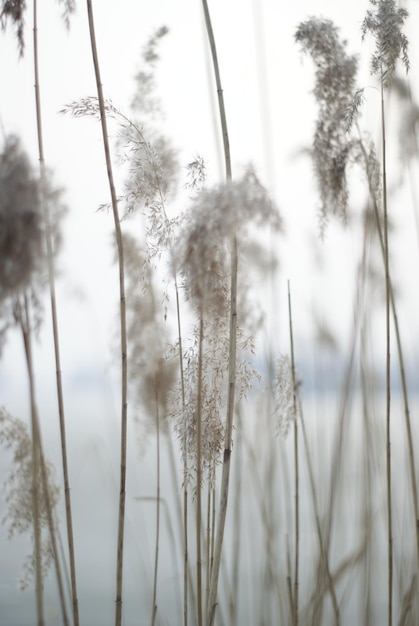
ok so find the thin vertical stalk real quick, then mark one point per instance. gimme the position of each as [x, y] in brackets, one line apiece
[225, 478]
[199, 473]
[296, 469]
[238, 493]
[213, 516]
[39, 585]
[185, 466]
[54, 316]
[322, 547]
[388, 379]
[368, 464]
[208, 543]
[228, 441]
[289, 582]
[400, 358]
[223, 117]
[39, 470]
[123, 329]
[156, 555]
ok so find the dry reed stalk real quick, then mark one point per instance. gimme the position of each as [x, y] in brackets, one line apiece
[388, 372]
[367, 489]
[39, 469]
[54, 317]
[199, 474]
[39, 584]
[272, 576]
[185, 464]
[123, 324]
[295, 595]
[156, 554]
[212, 599]
[322, 547]
[385, 22]
[238, 494]
[400, 353]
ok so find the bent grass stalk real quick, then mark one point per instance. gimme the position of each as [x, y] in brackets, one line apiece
[295, 595]
[400, 353]
[199, 473]
[55, 332]
[185, 465]
[123, 323]
[156, 555]
[388, 375]
[39, 584]
[212, 597]
[39, 469]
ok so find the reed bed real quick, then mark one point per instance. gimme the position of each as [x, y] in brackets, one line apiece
[263, 467]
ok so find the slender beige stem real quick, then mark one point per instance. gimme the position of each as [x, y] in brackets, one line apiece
[238, 496]
[185, 464]
[54, 316]
[388, 379]
[399, 354]
[296, 469]
[123, 330]
[156, 555]
[223, 117]
[23, 318]
[213, 517]
[208, 541]
[225, 478]
[199, 474]
[323, 551]
[39, 467]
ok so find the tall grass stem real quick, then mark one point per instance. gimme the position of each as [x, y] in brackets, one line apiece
[295, 595]
[55, 331]
[388, 374]
[123, 324]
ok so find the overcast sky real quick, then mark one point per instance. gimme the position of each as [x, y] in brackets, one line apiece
[271, 114]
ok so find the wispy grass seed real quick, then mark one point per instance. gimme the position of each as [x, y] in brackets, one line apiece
[18, 517]
[334, 88]
[385, 22]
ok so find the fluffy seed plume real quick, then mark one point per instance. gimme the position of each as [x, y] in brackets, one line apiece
[385, 22]
[213, 399]
[18, 516]
[14, 11]
[334, 89]
[23, 262]
[217, 215]
[284, 397]
[21, 220]
[151, 371]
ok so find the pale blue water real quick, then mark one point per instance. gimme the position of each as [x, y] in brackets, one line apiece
[93, 445]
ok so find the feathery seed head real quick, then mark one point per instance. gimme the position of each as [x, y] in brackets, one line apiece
[196, 174]
[335, 69]
[216, 217]
[334, 88]
[29, 208]
[18, 517]
[151, 371]
[385, 22]
[14, 11]
[69, 7]
[284, 397]
[184, 409]
[21, 220]
[145, 100]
